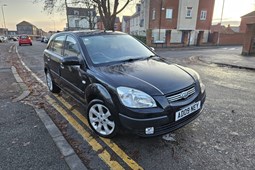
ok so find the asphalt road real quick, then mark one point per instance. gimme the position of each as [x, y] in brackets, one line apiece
[222, 137]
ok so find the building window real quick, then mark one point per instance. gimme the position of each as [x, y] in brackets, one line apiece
[169, 13]
[203, 15]
[153, 14]
[75, 12]
[76, 23]
[189, 12]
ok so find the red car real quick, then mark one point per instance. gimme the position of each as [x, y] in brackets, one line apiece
[24, 39]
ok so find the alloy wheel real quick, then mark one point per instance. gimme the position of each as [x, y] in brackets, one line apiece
[49, 81]
[100, 120]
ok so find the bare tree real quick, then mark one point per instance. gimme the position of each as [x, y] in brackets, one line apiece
[108, 10]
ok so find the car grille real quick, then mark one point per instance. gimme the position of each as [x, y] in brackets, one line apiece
[182, 95]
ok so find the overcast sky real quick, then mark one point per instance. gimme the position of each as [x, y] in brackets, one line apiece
[20, 10]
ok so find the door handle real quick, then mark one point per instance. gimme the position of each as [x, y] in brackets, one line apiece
[62, 66]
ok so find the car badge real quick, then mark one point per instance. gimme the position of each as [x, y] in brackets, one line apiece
[184, 94]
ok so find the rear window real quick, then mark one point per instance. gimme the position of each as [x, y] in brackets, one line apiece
[23, 37]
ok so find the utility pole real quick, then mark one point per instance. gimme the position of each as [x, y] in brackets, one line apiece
[218, 41]
[67, 15]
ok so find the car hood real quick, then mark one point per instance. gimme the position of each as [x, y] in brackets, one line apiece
[153, 76]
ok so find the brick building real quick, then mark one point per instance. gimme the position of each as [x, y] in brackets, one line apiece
[247, 19]
[176, 21]
[25, 27]
[181, 21]
[117, 24]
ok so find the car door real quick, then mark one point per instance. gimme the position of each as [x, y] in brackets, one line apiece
[74, 77]
[53, 56]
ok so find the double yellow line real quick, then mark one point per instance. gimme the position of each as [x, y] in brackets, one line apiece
[97, 147]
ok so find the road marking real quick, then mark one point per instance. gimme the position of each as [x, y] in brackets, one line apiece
[10, 49]
[102, 153]
[28, 69]
[130, 162]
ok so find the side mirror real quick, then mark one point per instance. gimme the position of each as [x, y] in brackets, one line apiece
[72, 60]
[153, 49]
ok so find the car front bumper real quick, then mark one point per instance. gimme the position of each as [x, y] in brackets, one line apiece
[162, 124]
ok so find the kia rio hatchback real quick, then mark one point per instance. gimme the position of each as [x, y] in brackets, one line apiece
[124, 84]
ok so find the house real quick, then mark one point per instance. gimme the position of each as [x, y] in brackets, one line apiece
[125, 25]
[3, 31]
[81, 18]
[222, 29]
[25, 27]
[176, 21]
[139, 21]
[247, 19]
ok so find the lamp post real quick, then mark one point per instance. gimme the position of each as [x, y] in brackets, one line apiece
[218, 41]
[2, 7]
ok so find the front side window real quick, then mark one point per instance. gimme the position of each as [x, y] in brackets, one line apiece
[203, 15]
[169, 13]
[189, 12]
[57, 44]
[71, 47]
[114, 48]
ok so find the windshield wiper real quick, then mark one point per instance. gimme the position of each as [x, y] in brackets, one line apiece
[131, 59]
[152, 56]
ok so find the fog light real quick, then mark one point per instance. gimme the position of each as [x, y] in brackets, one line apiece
[149, 130]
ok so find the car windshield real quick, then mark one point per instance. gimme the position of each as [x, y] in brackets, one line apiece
[114, 48]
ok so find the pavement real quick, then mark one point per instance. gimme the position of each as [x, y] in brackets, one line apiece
[28, 137]
[230, 60]
[233, 59]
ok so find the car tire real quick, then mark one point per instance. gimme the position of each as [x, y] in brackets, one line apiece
[31, 44]
[51, 85]
[101, 120]
[19, 44]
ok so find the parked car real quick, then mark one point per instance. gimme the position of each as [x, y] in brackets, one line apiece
[3, 38]
[44, 39]
[24, 39]
[125, 83]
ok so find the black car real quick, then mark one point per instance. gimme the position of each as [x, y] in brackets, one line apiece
[125, 84]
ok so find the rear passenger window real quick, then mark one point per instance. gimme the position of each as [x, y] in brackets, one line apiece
[57, 44]
[71, 47]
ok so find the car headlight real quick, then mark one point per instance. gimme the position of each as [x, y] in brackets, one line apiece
[201, 84]
[135, 98]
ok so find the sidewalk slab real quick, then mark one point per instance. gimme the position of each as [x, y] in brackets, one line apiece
[233, 60]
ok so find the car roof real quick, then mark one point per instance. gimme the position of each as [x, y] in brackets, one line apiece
[82, 33]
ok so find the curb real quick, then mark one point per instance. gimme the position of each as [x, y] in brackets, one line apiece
[23, 86]
[71, 158]
[225, 64]
[185, 48]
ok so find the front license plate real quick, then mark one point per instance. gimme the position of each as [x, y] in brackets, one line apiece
[187, 110]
